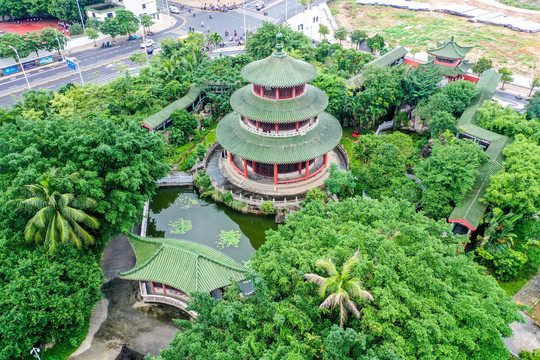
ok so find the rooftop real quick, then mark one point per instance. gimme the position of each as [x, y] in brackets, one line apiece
[450, 50]
[305, 106]
[324, 137]
[184, 265]
[279, 69]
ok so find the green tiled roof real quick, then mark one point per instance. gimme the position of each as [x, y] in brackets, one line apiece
[305, 106]
[461, 69]
[324, 137]
[279, 69]
[160, 117]
[383, 60]
[471, 210]
[184, 265]
[450, 50]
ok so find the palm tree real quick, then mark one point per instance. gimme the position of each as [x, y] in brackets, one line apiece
[57, 217]
[342, 288]
[499, 235]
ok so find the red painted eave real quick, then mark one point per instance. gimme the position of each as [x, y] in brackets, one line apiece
[462, 222]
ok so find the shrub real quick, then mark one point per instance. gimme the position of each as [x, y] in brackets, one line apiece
[228, 198]
[315, 194]
[267, 208]
[177, 137]
[203, 182]
[508, 264]
[75, 29]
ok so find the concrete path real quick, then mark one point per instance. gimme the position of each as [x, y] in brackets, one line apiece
[526, 336]
[120, 318]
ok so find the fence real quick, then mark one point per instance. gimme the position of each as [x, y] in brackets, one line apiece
[256, 201]
[343, 153]
[384, 126]
[163, 299]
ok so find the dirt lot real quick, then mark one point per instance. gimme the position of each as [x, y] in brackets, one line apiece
[419, 31]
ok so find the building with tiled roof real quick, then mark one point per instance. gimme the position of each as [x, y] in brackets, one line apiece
[279, 128]
[449, 59]
[168, 270]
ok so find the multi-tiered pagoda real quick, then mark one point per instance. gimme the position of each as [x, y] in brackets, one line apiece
[278, 128]
[448, 58]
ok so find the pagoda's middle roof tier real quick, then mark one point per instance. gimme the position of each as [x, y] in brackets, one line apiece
[313, 102]
[323, 138]
[279, 71]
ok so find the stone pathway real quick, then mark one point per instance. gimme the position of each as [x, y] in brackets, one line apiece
[530, 293]
[526, 336]
[120, 318]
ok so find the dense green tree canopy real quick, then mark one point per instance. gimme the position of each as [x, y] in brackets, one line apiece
[262, 43]
[516, 189]
[448, 174]
[507, 121]
[430, 300]
[117, 165]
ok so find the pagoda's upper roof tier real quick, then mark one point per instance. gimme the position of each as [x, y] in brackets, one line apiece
[309, 104]
[323, 138]
[450, 50]
[279, 69]
[461, 69]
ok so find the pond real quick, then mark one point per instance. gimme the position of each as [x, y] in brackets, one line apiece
[174, 209]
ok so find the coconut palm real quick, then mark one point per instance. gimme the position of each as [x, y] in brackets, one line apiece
[343, 288]
[57, 217]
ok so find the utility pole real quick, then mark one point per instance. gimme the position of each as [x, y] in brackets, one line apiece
[144, 41]
[286, 10]
[245, 30]
[59, 46]
[168, 11]
[80, 14]
[22, 67]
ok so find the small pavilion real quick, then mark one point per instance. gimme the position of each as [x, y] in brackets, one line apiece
[278, 130]
[168, 270]
[448, 58]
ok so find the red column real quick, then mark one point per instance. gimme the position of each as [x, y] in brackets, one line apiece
[152, 285]
[294, 91]
[253, 166]
[245, 168]
[164, 289]
[325, 159]
[257, 125]
[299, 167]
[277, 93]
[275, 173]
[307, 169]
[297, 126]
[230, 157]
[277, 127]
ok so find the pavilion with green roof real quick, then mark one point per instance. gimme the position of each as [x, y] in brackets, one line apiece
[448, 59]
[278, 128]
[176, 268]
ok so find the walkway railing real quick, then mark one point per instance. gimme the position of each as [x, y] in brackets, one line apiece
[175, 180]
[256, 201]
[164, 300]
[304, 130]
[343, 153]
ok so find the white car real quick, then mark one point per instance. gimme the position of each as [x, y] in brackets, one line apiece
[174, 10]
[147, 43]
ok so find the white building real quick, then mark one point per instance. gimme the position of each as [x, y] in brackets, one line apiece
[109, 8]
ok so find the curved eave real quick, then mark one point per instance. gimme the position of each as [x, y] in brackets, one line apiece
[310, 104]
[317, 142]
[279, 72]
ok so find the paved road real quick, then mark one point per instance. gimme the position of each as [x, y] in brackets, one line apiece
[97, 63]
[511, 100]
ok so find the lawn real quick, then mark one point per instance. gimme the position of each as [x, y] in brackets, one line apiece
[63, 349]
[512, 287]
[419, 31]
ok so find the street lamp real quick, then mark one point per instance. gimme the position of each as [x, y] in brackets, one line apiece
[80, 13]
[22, 67]
[144, 41]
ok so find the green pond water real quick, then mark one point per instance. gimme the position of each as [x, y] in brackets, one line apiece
[208, 219]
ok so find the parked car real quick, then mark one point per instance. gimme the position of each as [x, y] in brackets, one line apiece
[259, 6]
[147, 43]
[174, 10]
